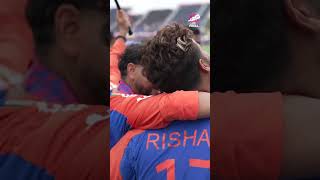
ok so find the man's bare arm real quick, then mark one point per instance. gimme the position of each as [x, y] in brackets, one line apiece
[204, 105]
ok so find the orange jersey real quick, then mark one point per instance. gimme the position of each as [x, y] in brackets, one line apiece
[116, 52]
[150, 112]
[41, 141]
[247, 135]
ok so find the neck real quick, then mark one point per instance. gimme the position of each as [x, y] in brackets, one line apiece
[130, 84]
[204, 84]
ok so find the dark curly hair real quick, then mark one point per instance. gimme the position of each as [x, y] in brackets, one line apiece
[171, 59]
[133, 55]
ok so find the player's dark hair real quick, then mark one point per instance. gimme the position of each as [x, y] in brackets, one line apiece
[133, 55]
[40, 16]
[250, 44]
[169, 66]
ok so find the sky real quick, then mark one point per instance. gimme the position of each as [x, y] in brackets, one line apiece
[143, 6]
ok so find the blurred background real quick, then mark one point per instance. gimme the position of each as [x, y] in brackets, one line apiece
[148, 16]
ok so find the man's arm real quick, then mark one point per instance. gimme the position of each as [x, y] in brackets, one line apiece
[153, 112]
[204, 105]
[149, 112]
[116, 51]
[118, 47]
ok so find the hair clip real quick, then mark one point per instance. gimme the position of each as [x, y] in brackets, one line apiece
[181, 43]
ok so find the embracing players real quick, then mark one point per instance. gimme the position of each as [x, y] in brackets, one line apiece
[182, 150]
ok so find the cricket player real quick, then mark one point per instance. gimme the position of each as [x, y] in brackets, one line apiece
[182, 150]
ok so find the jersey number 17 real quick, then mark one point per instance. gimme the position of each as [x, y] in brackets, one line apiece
[169, 166]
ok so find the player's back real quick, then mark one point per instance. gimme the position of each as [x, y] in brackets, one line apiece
[180, 151]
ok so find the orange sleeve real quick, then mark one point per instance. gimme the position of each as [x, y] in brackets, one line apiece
[148, 112]
[69, 143]
[248, 135]
[117, 153]
[116, 51]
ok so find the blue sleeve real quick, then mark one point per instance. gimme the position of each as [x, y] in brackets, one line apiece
[127, 166]
[118, 127]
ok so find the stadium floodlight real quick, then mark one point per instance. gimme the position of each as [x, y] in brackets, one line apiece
[118, 7]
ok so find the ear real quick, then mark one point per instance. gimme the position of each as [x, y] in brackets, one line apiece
[303, 14]
[67, 29]
[204, 65]
[131, 69]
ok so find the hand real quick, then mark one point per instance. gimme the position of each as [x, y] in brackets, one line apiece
[123, 22]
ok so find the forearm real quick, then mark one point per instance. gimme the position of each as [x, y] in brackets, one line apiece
[158, 111]
[204, 105]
